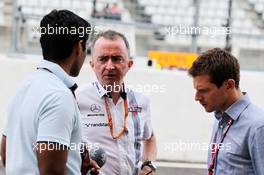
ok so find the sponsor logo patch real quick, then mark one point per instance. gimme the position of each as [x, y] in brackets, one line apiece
[95, 108]
[135, 109]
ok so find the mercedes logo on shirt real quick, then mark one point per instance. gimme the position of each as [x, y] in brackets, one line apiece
[95, 108]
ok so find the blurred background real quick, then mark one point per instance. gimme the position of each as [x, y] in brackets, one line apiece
[165, 37]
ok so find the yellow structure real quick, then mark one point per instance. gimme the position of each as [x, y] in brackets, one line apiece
[181, 60]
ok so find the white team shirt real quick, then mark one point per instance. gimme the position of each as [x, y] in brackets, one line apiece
[124, 153]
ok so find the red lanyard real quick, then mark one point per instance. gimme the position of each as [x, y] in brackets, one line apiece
[110, 119]
[215, 148]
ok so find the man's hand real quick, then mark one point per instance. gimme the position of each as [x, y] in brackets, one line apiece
[146, 171]
[88, 164]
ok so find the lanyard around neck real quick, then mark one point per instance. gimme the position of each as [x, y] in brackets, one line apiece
[110, 119]
[215, 148]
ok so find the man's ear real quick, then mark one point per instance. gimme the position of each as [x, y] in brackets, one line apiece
[91, 63]
[80, 49]
[230, 83]
[130, 63]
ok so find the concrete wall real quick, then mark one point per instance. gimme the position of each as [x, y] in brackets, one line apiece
[181, 125]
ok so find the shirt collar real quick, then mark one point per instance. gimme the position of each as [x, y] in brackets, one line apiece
[102, 92]
[58, 71]
[235, 109]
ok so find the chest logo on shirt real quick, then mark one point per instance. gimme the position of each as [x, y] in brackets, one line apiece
[135, 109]
[95, 108]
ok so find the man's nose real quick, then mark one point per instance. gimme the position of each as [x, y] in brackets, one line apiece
[197, 97]
[110, 64]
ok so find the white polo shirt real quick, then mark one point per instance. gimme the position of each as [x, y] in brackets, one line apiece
[124, 153]
[43, 109]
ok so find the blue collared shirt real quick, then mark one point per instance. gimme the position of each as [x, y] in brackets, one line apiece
[242, 151]
[43, 110]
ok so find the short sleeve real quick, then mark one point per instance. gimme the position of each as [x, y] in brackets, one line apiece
[7, 118]
[57, 119]
[4, 131]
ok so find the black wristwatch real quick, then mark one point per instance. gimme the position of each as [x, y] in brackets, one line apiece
[149, 164]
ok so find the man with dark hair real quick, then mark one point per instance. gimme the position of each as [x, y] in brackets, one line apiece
[42, 134]
[237, 143]
[61, 34]
[115, 117]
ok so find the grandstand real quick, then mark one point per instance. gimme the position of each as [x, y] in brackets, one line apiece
[189, 26]
[1, 12]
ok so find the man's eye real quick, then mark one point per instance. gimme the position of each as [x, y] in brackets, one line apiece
[202, 91]
[117, 59]
[102, 59]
